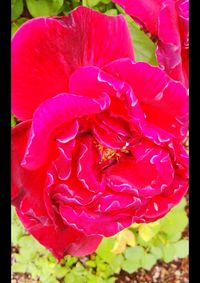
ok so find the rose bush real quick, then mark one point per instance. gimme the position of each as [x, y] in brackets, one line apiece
[99, 145]
[168, 22]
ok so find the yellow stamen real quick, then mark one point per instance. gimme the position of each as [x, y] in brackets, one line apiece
[108, 153]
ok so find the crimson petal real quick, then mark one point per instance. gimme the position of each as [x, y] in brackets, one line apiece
[60, 242]
[53, 113]
[165, 102]
[144, 12]
[26, 185]
[45, 51]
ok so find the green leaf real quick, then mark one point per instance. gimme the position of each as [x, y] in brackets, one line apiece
[134, 253]
[52, 259]
[156, 252]
[39, 8]
[103, 269]
[70, 278]
[135, 226]
[116, 263]
[144, 47]
[91, 278]
[90, 3]
[16, 9]
[19, 267]
[131, 266]
[174, 237]
[168, 253]
[79, 269]
[76, 3]
[93, 3]
[123, 238]
[60, 271]
[101, 265]
[146, 232]
[47, 277]
[159, 240]
[110, 280]
[182, 248]
[70, 260]
[120, 9]
[148, 261]
[111, 12]
[75, 277]
[13, 121]
[16, 233]
[15, 25]
[174, 222]
[53, 280]
[104, 249]
[26, 242]
[141, 242]
[105, 1]
[91, 263]
[181, 204]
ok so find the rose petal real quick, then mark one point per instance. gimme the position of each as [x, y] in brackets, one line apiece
[135, 74]
[160, 205]
[50, 115]
[94, 82]
[144, 174]
[87, 170]
[144, 12]
[164, 102]
[168, 22]
[27, 186]
[168, 26]
[66, 241]
[45, 51]
[91, 223]
[183, 14]
[63, 162]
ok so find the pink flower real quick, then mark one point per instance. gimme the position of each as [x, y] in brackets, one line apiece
[168, 21]
[99, 145]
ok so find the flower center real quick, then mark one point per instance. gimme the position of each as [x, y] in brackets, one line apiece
[110, 153]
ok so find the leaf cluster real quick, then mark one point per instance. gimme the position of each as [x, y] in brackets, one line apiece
[140, 245]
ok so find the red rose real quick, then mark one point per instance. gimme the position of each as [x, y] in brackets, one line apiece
[100, 143]
[168, 21]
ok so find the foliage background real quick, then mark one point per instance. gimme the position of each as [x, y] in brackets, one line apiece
[139, 246]
[133, 248]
